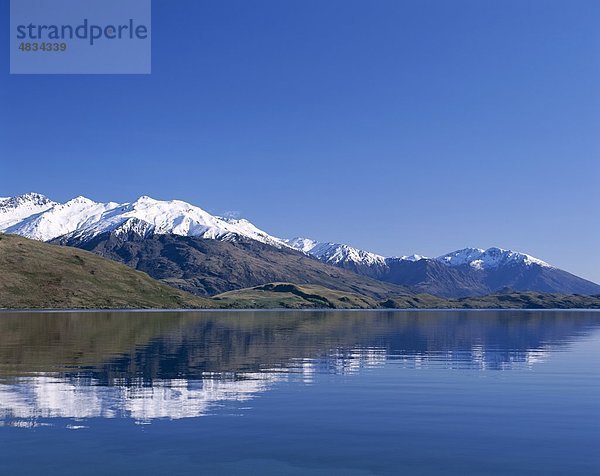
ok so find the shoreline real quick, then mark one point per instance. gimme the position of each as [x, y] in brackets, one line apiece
[288, 310]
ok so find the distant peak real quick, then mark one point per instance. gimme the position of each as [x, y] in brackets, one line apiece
[30, 198]
[469, 250]
[494, 250]
[488, 258]
[30, 195]
[146, 198]
[413, 257]
[79, 200]
[301, 244]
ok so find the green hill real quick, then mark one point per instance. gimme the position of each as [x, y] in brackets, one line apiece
[293, 296]
[307, 296]
[38, 275]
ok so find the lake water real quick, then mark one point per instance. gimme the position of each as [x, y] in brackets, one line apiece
[296, 393]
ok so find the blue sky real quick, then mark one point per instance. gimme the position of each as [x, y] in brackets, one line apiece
[395, 126]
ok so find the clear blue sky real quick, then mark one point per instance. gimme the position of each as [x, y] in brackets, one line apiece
[395, 126]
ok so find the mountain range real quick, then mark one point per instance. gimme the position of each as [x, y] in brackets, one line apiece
[188, 248]
[37, 275]
[466, 272]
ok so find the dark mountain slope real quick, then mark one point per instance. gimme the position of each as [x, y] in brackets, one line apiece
[539, 278]
[292, 296]
[207, 267]
[39, 275]
[434, 277]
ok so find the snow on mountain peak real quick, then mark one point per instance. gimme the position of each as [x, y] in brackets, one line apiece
[478, 258]
[337, 253]
[15, 209]
[411, 257]
[30, 197]
[461, 257]
[302, 244]
[488, 259]
[80, 199]
[84, 218]
[35, 216]
[27, 199]
[61, 219]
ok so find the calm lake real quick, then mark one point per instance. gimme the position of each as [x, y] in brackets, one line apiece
[296, 393]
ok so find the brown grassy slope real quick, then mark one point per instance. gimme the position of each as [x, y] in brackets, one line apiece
[514, 300]
[38, 275]
[288, 295]
[294, 296]
[207, 267]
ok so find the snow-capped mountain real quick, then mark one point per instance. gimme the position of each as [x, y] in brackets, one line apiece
[477, 258]
[61, 219]
[88, 224]
[335, 253]
[339, 253]
[37, 217]
[489, 259]
[409, 257]
[15, 209]
[302, 244]
[466, 272]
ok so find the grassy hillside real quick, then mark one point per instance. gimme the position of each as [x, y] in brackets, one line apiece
[287, 295]
[529, 300]
[206, 267]
[293, 296]
[40, 275]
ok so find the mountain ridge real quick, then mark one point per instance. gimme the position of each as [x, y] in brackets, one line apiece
[461, 273]
[83, 218]
[206, 267]
[38, 275]
[41, 275]
[466, 272]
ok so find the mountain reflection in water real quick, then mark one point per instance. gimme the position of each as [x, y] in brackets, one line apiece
[173, 365]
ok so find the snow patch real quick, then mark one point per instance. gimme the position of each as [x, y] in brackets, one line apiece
[36, 217]
[488, 259]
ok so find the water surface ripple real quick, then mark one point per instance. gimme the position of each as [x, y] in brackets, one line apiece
[385, 392]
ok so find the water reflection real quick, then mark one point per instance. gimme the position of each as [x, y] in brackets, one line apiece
[30, 399]
[146, 366]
